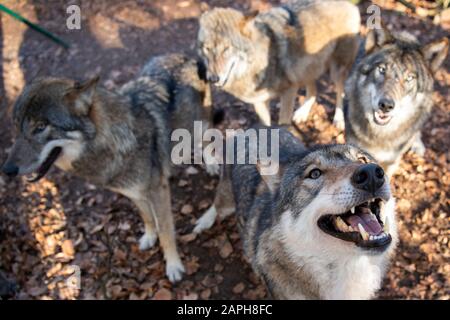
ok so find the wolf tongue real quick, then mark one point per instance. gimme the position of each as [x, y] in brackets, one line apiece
[364, 218]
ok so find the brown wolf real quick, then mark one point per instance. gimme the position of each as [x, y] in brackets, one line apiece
[269, 55]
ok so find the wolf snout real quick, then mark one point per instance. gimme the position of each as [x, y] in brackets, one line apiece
[10, 169]
[386, 104]
[369, 177]
[212, 78]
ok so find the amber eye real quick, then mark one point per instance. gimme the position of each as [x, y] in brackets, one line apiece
[381, 69]
[410, 78]
[314, 174]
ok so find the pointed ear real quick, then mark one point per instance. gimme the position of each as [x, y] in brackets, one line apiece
[81, 95]
[246, 22]
[377, 37]
[270, 173]
[435, 53]
[204, 7]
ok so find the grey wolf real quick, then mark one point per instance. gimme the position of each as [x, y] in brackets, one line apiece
[322, 228]
[390, 95]
[116, 140]
[263, 56]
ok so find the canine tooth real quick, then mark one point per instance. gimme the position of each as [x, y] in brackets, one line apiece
[352, 210]
[363, 232]
[341, 225]
[383, 216]
[386, 225]
[371, 237]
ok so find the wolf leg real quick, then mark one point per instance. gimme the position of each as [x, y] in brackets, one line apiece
[262, 109]
[287, 106]
[417, 145]
[166, 230]
[222, 206]
[338, 75]
[150, 236]
[301, 115]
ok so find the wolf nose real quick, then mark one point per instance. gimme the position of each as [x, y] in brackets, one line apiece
[386, 104]
[368, 177]
[11, 170]
[213, 78]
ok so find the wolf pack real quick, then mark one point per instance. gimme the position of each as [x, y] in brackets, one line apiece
[323, 226]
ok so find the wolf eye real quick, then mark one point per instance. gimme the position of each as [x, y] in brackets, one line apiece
[410, 78]
[314, 174]
[363, 159]
[381, 69]
[40, 127]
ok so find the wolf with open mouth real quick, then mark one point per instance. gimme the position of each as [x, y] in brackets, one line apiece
[390, 94]
[116, 140]
[322, 228]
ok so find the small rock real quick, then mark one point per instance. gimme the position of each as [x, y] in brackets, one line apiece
[191, 171]
[205, 294]
[163, 294]
[182, 183]
[67, 248]
[239, 288]
[226, 249]
[187, 209]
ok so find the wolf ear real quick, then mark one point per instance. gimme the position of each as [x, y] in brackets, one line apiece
[244, 25]
[81, 95]
[204, 7]
[270, 173]
[435, 53]
[377, 37]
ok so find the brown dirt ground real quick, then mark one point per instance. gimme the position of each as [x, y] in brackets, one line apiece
[47, 227]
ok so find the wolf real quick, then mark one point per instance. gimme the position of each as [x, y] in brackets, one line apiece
[390, 95]
[263, 56]
[323, 227]
[116, 140]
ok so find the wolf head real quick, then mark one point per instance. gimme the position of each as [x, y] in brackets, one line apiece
[396, 75]
[224, 43]
[51, 118]
[336, 200]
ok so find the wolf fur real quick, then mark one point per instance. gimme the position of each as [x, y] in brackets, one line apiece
[259, 57]
[278, 219]
[116, 140]
[395, 80]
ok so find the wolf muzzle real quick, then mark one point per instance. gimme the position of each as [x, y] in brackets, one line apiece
[369, 177]
[10, 169]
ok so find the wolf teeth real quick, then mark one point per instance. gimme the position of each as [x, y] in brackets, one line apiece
[363, 232]
[341, 225]
[383, 216]
[386, 225]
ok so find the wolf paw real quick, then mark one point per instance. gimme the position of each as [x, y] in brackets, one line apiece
[147, 241]
[174, 270]
[339, 121]
[301, 115]
[206, 221]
